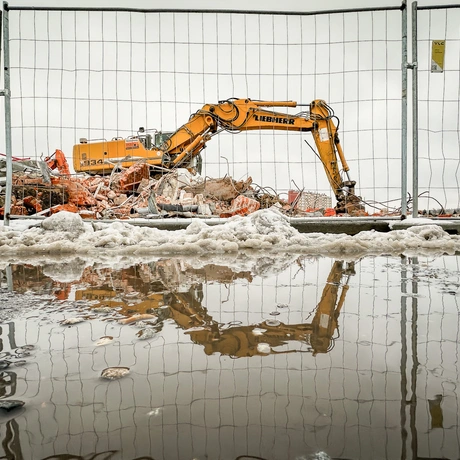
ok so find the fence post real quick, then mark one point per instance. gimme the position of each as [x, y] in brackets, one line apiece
[6, 93]
[414, 113]
[404, 111]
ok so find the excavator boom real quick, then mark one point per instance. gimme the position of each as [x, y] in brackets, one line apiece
[242, 341]
[182, 148]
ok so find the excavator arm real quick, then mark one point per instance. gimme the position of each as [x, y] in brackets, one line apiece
[58, 161]
[236, 115]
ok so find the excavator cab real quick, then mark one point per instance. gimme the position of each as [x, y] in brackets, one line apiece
[146, 141]
[161, 138]
[155, 141]
[144, 138]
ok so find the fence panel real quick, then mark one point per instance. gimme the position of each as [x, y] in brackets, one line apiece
[100, 74]
[438, 109]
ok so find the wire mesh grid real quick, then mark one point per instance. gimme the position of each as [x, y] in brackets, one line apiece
[104, 74]
[439, 110]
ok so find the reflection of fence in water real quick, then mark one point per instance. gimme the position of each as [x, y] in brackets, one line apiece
[180, 403]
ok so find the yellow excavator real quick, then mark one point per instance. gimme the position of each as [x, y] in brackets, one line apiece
[182, 148]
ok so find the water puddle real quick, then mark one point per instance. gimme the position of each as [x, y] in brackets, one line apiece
[268, 358]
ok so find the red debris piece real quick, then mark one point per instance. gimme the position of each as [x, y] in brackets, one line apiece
[329, 212]
[132, 177]
[30, 202]
[18, 210]
[87, 214]
[133, 193]
[78, 194]
[70, 207]
[59, 161]
[241, 205]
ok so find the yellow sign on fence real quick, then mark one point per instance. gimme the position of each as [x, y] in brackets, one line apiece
[438, 48]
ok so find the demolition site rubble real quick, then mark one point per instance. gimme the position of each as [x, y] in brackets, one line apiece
[133, 192]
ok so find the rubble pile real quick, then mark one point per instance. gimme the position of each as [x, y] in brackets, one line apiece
[133, 193]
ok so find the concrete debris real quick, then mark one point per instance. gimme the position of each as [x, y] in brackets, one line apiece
[133, 193]
[225, 189]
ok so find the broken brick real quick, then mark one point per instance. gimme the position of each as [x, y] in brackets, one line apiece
[241, 205]
[131, 177]
[30, 202]
[18, 211]
[78, 194]
[69, 207]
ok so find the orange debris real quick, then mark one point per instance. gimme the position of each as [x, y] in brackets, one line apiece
[32, 202]
[133, 193]
[241, 205]
[70, 207]
[132, 177]
[78, 194]
[59, 161]
[86, 214]
[18, 211]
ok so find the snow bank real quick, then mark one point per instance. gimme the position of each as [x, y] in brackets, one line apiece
[266, 231]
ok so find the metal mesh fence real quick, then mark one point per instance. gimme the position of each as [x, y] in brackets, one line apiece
[439, 109]
[104, 74]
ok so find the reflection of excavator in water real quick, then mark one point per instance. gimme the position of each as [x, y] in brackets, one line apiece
[159, 289]
[261, 339]
[167, 150]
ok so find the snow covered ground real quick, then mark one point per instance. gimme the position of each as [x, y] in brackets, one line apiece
[266, 231]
